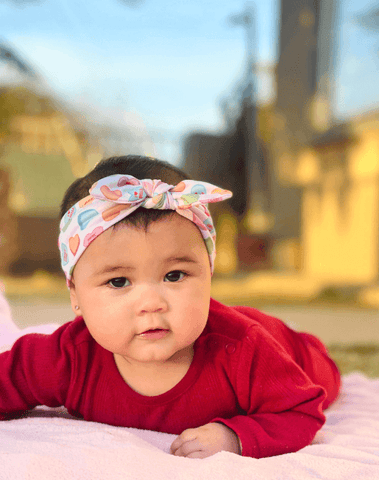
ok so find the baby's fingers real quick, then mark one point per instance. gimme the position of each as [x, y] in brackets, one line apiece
[191, 449]
[185, 443]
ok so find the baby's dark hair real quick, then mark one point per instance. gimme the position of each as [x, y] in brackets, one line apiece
[139, 167]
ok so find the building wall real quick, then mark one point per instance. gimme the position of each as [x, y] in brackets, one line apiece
[40, 155]
[9, 246]
[38, 249]
[340, 207]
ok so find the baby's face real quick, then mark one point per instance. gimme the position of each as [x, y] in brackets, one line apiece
[144, 295]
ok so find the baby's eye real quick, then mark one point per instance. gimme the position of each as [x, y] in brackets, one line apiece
[119, 282]
[174, 276]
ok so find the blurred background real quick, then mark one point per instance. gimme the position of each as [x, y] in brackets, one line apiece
[277, 100]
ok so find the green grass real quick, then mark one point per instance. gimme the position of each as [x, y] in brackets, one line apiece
[363, 358]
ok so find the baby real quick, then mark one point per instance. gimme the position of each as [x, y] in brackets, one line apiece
[149, 348]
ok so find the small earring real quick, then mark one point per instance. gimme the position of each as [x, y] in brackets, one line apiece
[76, 307]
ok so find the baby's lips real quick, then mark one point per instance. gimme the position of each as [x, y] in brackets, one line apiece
[154, 329]
[154, 333]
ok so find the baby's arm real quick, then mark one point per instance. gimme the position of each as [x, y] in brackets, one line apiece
[205, 441]
[34, 372]
[281, 409]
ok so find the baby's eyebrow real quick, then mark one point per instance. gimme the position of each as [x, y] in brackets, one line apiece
[108, 269]
[183, 259]
[113, 268]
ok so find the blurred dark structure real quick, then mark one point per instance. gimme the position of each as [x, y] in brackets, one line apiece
[237, 159]
[248, 157]
[208, 157]
[297, 67]
[297, 75]
[202, 151]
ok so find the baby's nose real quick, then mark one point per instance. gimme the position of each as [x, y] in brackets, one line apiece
[150, 300]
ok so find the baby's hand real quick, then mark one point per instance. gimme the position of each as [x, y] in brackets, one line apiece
[204, 441]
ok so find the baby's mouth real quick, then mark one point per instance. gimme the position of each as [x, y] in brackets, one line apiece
[154, 333]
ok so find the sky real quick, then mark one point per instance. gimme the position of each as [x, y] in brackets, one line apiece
[356, 59]
[171, 62]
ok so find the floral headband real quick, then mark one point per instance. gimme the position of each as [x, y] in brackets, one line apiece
[115, 197]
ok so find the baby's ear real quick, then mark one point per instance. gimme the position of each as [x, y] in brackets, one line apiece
[74, 301]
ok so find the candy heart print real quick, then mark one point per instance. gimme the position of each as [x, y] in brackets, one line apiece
[74, 243]
[85, 217]
[110, 194]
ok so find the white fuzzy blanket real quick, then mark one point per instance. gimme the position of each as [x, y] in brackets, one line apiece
[49, 444]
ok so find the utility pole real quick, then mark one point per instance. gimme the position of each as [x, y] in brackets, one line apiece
[256, 220]
[246, 19]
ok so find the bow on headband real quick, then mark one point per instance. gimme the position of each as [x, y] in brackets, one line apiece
[115, 197]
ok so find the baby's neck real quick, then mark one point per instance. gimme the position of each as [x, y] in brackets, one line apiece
[151, 379]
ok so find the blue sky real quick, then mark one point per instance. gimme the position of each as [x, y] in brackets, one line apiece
[171, 61]
[357, 60]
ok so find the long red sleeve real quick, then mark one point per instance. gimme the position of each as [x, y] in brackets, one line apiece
[282, 407]
[35, 372]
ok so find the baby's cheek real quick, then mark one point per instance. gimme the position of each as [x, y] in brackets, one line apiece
[106, 335]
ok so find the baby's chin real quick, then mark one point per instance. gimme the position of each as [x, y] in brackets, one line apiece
[160, 356]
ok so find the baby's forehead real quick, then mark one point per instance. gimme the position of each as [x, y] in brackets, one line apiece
[167, 219]
[167, 231]
[162, 243]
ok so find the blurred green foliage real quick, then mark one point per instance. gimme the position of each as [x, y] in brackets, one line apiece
[350, 358]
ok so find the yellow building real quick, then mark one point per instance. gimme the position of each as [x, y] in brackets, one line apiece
[339, 176]
[337, 250]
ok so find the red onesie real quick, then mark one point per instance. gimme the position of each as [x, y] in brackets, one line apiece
[250, 372]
